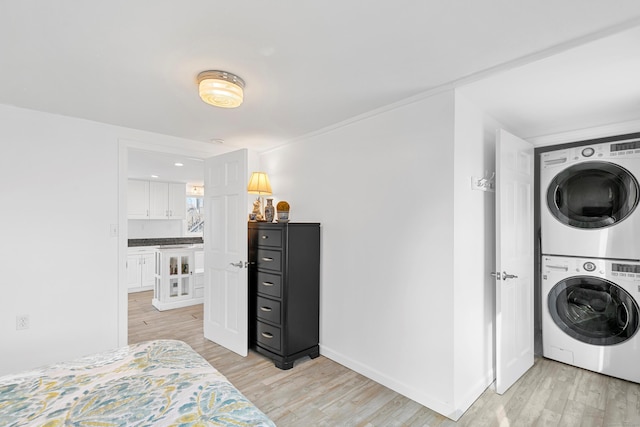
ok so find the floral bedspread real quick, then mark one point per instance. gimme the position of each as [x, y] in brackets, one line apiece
[155, 383]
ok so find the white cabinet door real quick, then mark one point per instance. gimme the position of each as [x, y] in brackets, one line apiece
[138, 199]
[177, 200]
[158, 200]
[147, 270]
[133, 271]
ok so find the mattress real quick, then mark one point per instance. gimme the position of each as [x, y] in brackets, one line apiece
[154, 383]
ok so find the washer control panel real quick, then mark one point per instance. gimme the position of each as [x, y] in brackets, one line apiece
[569, 266]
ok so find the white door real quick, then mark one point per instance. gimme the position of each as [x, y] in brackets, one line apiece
[225, 251]
[514, 259]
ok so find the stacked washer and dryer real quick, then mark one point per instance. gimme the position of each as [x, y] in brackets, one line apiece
[590, 245]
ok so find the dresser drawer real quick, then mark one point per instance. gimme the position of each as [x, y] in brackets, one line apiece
[271, 238]
[268, 336]
[269, 260]
[268, 310]
[269, 284]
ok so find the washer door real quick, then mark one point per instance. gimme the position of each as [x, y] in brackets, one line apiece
[594, 310]
[592, 195]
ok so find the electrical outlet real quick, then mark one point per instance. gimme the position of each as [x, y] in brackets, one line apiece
[22, 322]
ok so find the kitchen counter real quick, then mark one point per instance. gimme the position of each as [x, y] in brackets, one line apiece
[166, 241]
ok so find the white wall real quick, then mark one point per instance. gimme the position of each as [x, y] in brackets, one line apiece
[382, 189]
[474, 254]
[407, 246]
[59, 181]
[155, 228]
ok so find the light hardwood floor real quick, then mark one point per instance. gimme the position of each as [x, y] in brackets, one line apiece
[321, 392]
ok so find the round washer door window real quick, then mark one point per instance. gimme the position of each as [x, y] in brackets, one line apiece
[592, 195]
[594, 310]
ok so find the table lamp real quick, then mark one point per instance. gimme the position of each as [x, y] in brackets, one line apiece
[259, 184]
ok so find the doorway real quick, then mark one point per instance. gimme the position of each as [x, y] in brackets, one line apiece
[153, 153]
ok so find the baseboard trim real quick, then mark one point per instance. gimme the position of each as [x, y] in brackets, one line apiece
[442, 407]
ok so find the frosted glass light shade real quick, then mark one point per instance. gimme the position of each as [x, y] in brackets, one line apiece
[259, 184]
[221, 88]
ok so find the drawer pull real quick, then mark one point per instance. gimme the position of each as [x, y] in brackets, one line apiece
[267, 284]
[265, 309]
[264, 237]
[267, 259]
[267, 335]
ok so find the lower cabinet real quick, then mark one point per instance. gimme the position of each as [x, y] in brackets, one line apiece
[174, 279]
[198, 286]
[284, 288]
[140, 270]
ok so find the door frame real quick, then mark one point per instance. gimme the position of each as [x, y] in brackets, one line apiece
[199, 150]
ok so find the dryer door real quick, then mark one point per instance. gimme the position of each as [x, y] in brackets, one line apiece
[592, 195]
[594, 310]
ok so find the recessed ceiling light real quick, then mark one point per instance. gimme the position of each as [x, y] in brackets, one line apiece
[178, 164]
[155, 176]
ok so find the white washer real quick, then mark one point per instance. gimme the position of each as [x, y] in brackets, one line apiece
[590, 314]
[589, 195]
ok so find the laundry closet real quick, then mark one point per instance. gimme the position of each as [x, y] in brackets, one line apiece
[589, 224]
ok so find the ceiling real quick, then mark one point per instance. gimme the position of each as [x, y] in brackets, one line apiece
[591, 85]
[150, 166]
[307, 65]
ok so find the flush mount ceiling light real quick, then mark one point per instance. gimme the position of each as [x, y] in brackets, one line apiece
[220, 88]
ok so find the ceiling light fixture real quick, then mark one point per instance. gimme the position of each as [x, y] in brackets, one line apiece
[178, 164]
[221, 88]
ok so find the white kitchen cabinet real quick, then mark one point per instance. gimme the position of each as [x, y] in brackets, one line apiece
[138, 199]
[156, 200]
[177, 200]
[198, 285]
[140, 270]
[174, 279]
[167, 200]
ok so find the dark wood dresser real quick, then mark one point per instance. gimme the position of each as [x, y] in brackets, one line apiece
[284, 290]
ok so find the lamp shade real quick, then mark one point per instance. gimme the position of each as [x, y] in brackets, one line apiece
[259, 184]
[221, 88]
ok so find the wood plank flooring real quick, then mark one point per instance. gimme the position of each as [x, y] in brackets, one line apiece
[320, 392]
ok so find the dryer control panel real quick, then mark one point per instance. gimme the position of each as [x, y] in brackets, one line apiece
[629, 148]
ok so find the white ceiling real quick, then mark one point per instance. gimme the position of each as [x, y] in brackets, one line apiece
[309, 65]
[151, 166]
[591, 85]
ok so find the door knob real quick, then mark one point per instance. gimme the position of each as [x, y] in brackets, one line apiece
[236, 264]
[503, 275]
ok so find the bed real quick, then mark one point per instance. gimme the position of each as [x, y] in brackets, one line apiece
[154, 383]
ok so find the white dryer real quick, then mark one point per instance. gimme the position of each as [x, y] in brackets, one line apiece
[590, 314]
[588, 201]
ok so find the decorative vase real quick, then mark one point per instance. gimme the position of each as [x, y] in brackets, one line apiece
[269, 211]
